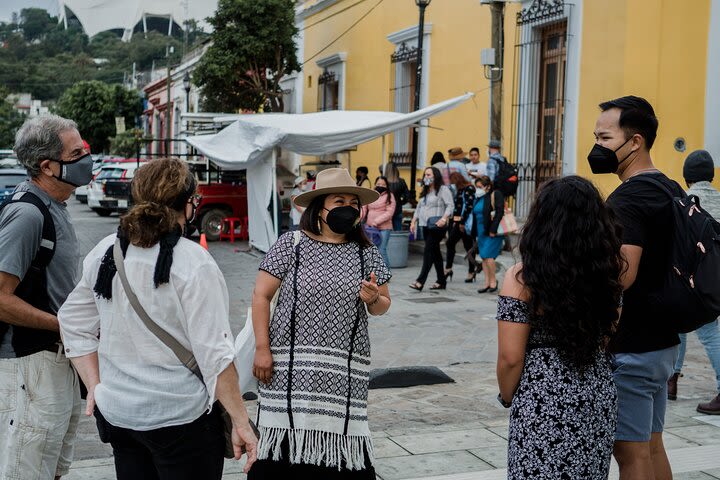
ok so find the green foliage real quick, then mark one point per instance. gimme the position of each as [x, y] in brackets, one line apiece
[253, 48]
[36, 22]
[126, 143]
[40, 56]
[94, 106]
[10, 120]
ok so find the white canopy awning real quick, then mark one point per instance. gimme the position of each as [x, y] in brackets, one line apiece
[253, 136]
[251, 141]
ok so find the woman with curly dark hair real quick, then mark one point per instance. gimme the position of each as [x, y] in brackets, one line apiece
[556, 312]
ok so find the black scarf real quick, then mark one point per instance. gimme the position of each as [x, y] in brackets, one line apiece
[103, 285]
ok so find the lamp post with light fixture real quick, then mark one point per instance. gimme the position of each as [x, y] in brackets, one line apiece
[422, 5]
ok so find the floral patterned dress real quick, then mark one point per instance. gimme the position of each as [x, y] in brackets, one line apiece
[562, 422]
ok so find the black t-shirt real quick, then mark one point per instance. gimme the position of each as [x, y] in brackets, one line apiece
[645, 212]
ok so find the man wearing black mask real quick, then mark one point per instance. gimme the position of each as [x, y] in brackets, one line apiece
[645, 344]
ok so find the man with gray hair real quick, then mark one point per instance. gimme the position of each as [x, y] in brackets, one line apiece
[39, 390]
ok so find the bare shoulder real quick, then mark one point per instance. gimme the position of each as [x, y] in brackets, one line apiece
[513, 285]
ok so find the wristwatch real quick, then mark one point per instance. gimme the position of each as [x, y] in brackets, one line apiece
[503, 402]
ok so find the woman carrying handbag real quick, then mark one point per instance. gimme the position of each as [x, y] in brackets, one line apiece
[489, 210]
[464, 200]
[141, 290]
[313, 354]
[432, 214]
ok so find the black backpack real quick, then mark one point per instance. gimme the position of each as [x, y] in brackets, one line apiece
[506, 178]
[691, 289]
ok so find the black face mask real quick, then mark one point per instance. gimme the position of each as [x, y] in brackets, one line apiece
[381, 190]
[342, 220]
[604, 160]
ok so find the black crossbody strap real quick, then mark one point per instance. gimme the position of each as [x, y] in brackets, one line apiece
[353, 334]
[293, 312]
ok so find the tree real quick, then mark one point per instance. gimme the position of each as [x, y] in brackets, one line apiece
[126, 144]
[35, 23]
[10, 120]
[253, 48]
[94, 105]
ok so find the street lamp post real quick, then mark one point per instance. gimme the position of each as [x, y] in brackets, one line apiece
[186, 85]
[422, 5]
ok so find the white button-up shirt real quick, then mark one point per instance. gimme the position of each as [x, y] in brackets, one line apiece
[143, 386]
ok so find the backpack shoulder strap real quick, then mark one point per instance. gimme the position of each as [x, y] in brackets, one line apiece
[47, 243]
[656, 182]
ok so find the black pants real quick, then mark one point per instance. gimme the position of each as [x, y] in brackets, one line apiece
[185, 452]
[432, 255]
[454, 237]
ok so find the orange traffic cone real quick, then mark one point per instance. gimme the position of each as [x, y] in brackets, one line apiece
[203, 241]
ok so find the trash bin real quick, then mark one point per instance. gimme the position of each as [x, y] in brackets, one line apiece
[397, 249]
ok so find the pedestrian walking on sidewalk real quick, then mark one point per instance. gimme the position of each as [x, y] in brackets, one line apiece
[161, 418]
[556, 311]
[38, 269]
[488, 211]
[464, 200]
[378, 216]
[645, 344]
[399, 189]
[313, 350]
[432, 214]
[699, 171]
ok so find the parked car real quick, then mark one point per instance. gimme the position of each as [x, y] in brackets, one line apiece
[110, 189]
[81, 193]
[9, 179]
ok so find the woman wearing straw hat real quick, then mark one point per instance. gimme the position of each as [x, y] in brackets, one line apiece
[313, 353]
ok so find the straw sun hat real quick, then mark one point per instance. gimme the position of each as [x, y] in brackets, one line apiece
[336, 180]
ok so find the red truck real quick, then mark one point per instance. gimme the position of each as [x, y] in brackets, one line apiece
[224, 195]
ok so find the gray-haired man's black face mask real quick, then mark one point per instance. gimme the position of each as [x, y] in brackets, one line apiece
[76, 172]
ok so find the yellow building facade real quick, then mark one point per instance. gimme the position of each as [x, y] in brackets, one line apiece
[561, 59]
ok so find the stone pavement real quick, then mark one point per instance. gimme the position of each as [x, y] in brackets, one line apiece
[453, 431]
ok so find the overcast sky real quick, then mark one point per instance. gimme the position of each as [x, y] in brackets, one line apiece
[7, 7]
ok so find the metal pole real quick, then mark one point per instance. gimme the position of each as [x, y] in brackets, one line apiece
[168, 126]
[384, 155]
[418, 77]
[498, 15]
[274, 193]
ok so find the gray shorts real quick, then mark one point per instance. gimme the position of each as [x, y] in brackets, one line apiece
[39, 411]
[641, 380]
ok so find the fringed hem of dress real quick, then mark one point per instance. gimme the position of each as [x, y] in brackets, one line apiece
[315, 447]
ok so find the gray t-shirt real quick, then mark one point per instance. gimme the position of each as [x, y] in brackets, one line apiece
[20, 235]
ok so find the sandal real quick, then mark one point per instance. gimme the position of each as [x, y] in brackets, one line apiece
[416, 286]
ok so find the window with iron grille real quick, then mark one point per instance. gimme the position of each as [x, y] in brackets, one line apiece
[539, 101]
[403, 64]
[328, 91]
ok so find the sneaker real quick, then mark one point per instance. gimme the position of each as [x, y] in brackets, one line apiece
[710, 408]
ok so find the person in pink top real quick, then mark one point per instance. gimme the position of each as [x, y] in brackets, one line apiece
[378, 216]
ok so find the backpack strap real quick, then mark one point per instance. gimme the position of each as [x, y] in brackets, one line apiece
[656, 182]
[47, 243]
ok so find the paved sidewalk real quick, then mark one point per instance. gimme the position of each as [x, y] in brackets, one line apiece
[455, 429]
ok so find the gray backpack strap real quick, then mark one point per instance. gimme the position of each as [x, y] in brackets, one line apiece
[183, 354]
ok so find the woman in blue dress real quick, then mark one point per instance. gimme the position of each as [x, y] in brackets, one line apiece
[487, 212]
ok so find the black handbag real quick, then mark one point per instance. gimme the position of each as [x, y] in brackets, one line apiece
[432, 223]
